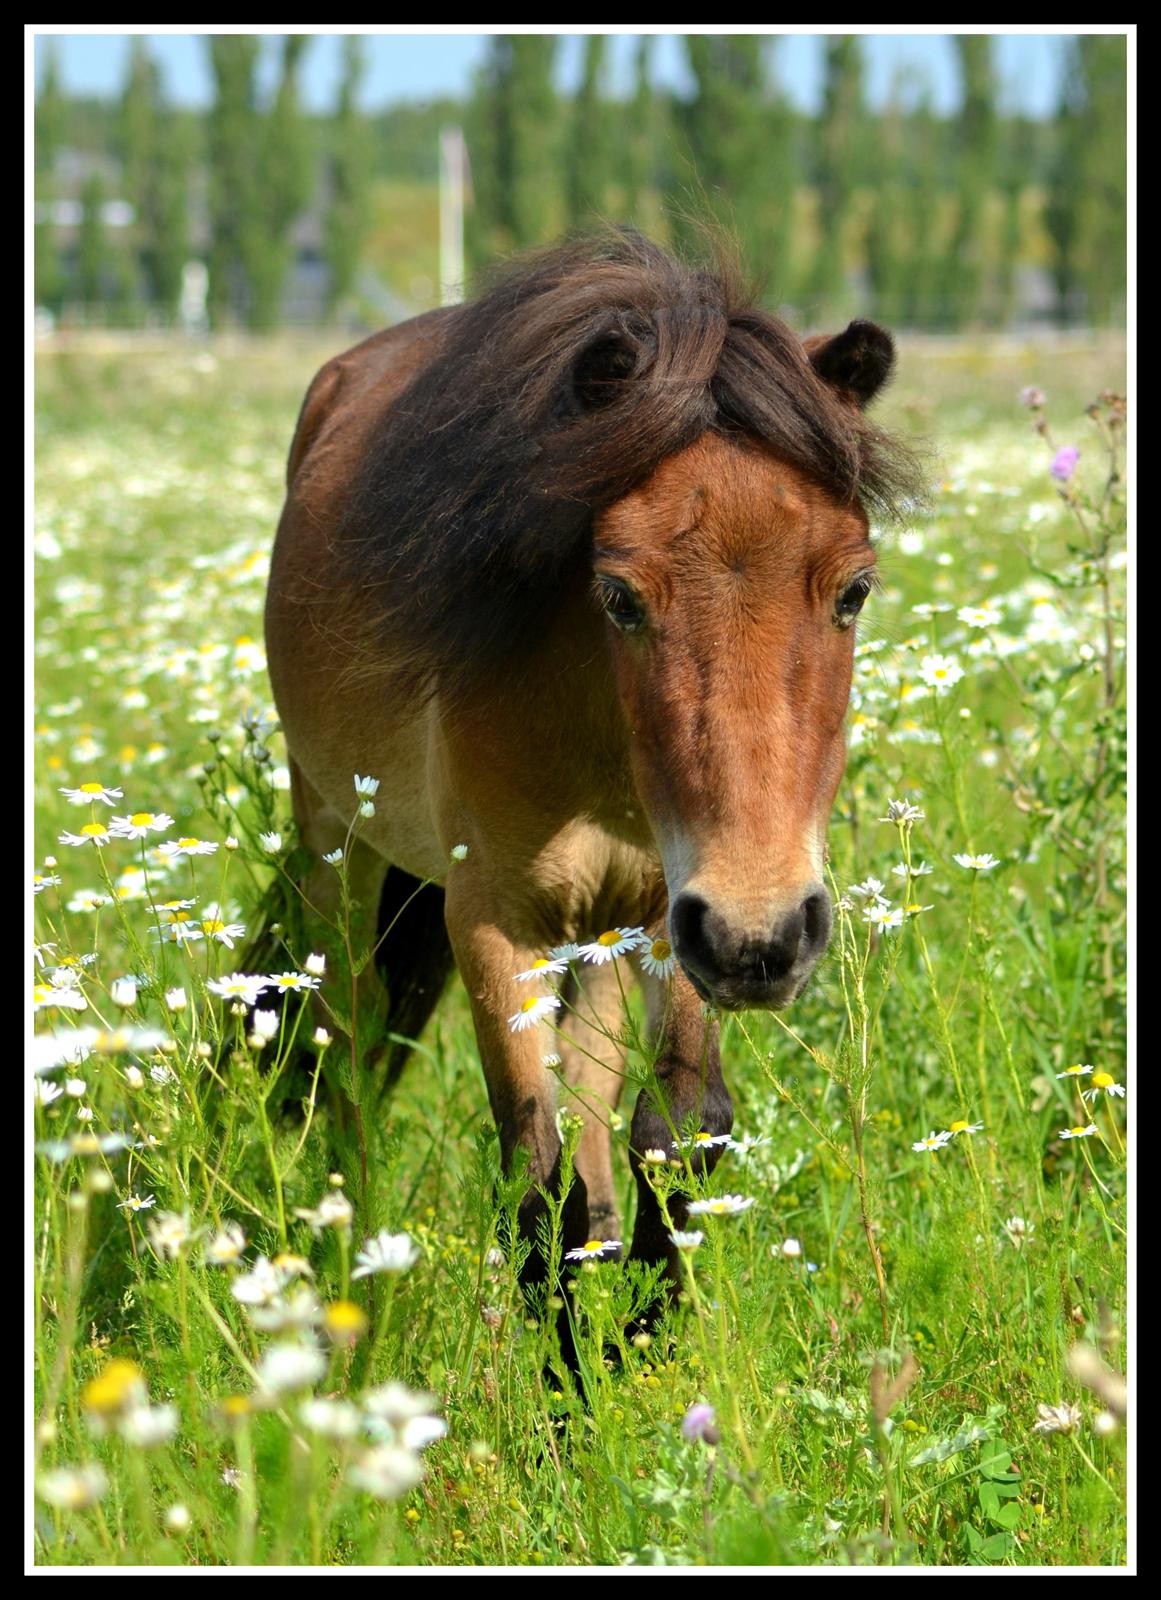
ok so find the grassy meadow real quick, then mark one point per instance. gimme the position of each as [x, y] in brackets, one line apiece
[897, 1354]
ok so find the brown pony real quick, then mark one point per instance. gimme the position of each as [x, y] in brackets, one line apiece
[573, 570]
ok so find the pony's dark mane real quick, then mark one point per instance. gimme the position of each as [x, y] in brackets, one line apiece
[553, 394]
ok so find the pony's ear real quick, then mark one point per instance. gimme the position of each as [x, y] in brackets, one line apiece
[600, 371]
[858, 360]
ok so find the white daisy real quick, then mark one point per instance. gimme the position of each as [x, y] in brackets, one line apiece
[940, 672]
[903, 811]
[366, 786]
[1079, 1071]
[90, 793]
[884, 916]
[592, 1250]
[656, 957]
[386, 1252]
[140, 824]
[701, 1141]
[292, 982]
[607, 946]
[239, 986]
[1104, 1082]
[983, 863]
[92, 833]
[934, 1141]
[187, 847]
[723, 1205]
[532, 1010]
[965, 1127]
[1078, 1132]
[687, 1241]
[542, 967]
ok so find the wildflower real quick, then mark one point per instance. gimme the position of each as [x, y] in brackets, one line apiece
[904, 871]
[1018, 1231]
[177, 1519]
[75, 1087]
[175, 999]
[724, 1205]
[90, 793]
[940, 672]
[298, 1310]
[66, 995]
[1078, 1071]
[186, 847]
[565, 952]
[983, 863]
[869, 889]
[47, 1092]
[985, 616]
[292, 982]
[532, 1010]
[934, 1141]
[42, 881]
[123, 992]
[883, 916]
[700, 1423]
[146, 1426]
[135, 1203]
[224, 932]
[746, 1143]
[264, 1025]
[903, 811]
[315, 965]
[1032, 397]
[790, 1248]
[332, 857]
[88, 900]
[386, 1472]
[366, 786]
[542, 967]
[270, 842]
[687, 1241]
[92, 833]
[345, 1321]
[168, 1234]
[386, 1252]
[333, 1419]
[401, 1416]
[239, 986]
[1063, 1418]
[607, 946]
[226, 1246]
[119, 1384]
[1078, 1132]
[594, 1247]
[258, 1287]
[657, 957]
[1104, 1082]
[702, 1140]
[459, 852]
[655, 1158]
[1064, 463]
[334, 1210]
[321, 1037]
[965, 1127]
[73, 1488]
[140, 824]
[286, 1367]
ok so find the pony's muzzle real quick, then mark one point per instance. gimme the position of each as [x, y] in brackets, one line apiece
[736, 970]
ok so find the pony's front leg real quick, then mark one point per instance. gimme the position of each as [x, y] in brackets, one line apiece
[689, 1089]
[521, 1090]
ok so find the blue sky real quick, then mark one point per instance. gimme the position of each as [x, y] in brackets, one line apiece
[420, 66]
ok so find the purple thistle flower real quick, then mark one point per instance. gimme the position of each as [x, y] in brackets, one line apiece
[1064, 463]
[699, 1422]
[1032, 398]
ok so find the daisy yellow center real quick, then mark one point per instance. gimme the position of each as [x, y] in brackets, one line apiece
[1078, 1129]
[540, 964]
[213, 927]
[661, 950]
[595, 1245]
[180, 916]
[87, 1144]
[183, 843]
[344, 1316]
[243, 638]
[110, 1390]
[958, 1127]
[702, 1138]
[1073, 1072]
[612, 937]
[1102, 1080]
[141, 819]
[530, 1005]
[236, 1405]
[92, 788]
[94, 830]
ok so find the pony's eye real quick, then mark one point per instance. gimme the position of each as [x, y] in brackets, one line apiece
[850, 602]
[620, 605]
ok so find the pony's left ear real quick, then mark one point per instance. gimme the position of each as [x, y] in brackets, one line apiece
[859, 360]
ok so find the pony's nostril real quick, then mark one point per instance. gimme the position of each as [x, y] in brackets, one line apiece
[817, 930]
[687, 917]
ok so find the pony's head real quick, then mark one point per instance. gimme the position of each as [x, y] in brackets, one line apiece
[731, 580]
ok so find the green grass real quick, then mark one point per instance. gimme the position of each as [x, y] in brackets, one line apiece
[160, 482]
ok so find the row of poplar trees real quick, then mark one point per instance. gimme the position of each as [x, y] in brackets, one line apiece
[929, 216]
